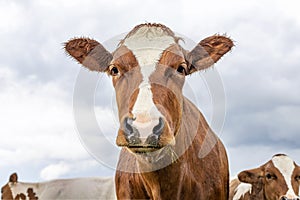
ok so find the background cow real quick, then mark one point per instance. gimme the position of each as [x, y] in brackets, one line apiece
[161, 131]
[278, 179]
[77, 188]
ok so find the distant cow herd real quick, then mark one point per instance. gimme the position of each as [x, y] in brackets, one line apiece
[277, 179]
[162, 133]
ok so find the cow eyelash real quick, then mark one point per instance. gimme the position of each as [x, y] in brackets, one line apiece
[182, 69]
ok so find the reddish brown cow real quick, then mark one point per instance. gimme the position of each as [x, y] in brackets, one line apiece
[161, 131]
[278, 179]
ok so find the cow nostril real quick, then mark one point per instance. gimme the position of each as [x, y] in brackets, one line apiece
[157, 130]
[127, 126]
[131, 133]
[132, 140]
[152, 140]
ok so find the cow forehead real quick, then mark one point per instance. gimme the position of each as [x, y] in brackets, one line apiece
[147, 44]
[284, 164]
[286, 167]
[148, 36]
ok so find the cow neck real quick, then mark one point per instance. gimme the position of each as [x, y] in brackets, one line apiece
[193, 131]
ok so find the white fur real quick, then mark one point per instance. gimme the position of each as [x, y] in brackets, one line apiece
[80, 188]
[147, 44]
[241, 190]
[286, 167]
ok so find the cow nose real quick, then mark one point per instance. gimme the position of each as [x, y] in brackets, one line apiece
[156, 132]
[131, 133]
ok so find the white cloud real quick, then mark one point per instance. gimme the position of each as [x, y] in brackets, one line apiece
[37, 124]
[36, 120]
[290, 9]
[65, 168]
[55, 171]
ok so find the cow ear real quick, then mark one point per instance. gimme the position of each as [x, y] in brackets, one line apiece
[13, 178]
[89, 53]
[251, 176]
[208, 52]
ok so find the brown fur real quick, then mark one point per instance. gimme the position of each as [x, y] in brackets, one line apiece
[13, 178]
[184, 179]
[188, 177]
[89, 53]
[124, 60]
[5, 190]
[208, 52]
[31, 194]
[172, 57]
[185, 134]
[20, 196]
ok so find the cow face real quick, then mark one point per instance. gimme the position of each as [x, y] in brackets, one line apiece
[278, 179]
[148, 70]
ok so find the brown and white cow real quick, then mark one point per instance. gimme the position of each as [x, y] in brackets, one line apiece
[278, 179]
[77, 188]
[161, 131]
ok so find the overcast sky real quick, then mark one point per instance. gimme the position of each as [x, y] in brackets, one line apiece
[39, 132]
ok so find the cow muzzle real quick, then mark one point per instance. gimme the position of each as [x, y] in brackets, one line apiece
[143, 137]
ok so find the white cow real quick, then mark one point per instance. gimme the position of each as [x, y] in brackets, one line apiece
[77, 188]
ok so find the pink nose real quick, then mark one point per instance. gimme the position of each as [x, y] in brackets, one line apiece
[142, 117]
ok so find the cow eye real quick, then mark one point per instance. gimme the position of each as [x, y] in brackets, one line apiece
[297, 178]
[271, 176]
[113, 70]
[182, 69]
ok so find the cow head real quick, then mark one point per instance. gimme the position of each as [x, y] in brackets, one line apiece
[148, 70]
[278, 179]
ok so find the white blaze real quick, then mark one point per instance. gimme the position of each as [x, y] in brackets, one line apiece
[286, 167]
[147, 44]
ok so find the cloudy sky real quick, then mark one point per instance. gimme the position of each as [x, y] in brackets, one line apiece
[41, 131]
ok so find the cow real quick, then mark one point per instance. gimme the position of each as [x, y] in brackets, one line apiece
[76, 188]
[278, 179]
[161, 132]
